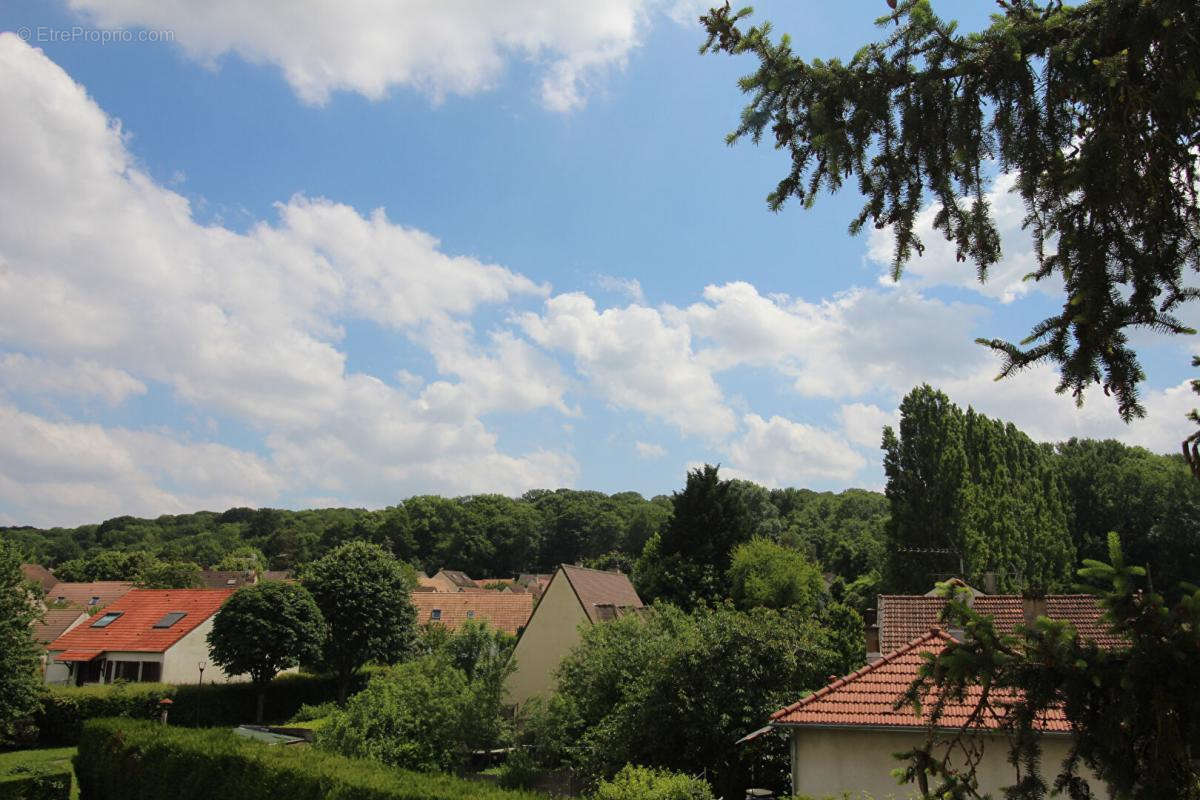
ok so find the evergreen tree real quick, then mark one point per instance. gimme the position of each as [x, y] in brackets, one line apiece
[971, 495]
[1093, 108]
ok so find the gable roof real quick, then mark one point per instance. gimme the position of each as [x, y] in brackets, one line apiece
[503, 610]
[903, 618]
[39, 575]
[227, 578]
[866, 698]
[458, 578]
[597, 590]
[81, 594]
[54, 622]
[140, 609]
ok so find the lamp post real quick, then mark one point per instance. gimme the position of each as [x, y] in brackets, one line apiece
[199, 699]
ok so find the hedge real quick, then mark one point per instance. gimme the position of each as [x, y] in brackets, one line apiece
[36, 775]
[64, 709]
[122, 759]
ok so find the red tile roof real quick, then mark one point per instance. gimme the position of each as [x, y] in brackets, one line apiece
[81, 594]
[902, 618]
[598, 589]
[226, 578]
[54, 623]
[134, 630]
[866, 698]
[39, 575]
[503, 610]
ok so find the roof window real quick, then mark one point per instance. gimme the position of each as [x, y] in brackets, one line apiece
[436, 614]
[470, 615]
[107, 619]
[95, 601]
[170, 619]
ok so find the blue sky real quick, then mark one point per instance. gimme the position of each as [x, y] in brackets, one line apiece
[351, 257]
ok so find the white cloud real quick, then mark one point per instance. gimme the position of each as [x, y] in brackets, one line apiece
[22, 374]
[781, 452]
[649, 450]
[635, 359]
[629, 287]
[863, 423]
[129, 287]
[939, 266]
[435, 47]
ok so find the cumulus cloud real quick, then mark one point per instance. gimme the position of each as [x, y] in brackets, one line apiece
[629, 287]
[129, 287]
[22, 374]
[649, 450]
[863, 423]
[781, 452]
[635, 359]
[436, 48]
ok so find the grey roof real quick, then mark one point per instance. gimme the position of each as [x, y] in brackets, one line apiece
[603, 595]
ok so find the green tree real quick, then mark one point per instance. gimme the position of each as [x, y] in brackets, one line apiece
[688, 562]
[245, 557]
[19, 684]
[266, 628]
[170, 575]
[364, 594]
[1094, 108]
[968, 496]
[1134, 709]
[763, 573]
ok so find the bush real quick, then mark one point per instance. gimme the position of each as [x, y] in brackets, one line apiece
[64, 709]
[36, 775]
[309, 713]
[519, 770]
[120, 758]
[643, 783]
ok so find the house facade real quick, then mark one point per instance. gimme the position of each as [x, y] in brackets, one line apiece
[574, 597]
[148, 635]
[506, 611]
[844, 736]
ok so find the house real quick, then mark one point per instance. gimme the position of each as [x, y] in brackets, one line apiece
[54, 622]
[902, 618]
[843, 736]
[535, 582]
[574, 597]
[148, 635]
[90, 595]
[36, 573]
[502, 610]
[228, 578]
[451, 580]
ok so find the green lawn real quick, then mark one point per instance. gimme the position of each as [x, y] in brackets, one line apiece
[35, 758]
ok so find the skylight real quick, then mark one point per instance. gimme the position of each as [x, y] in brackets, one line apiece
[107, 619]
[170, 619]
[437, 614]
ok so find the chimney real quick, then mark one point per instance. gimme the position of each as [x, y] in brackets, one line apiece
[872, 636]
[989, 582]
[1032, 608]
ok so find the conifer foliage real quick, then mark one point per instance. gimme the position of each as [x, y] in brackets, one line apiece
[970, 495]
[1096, 111]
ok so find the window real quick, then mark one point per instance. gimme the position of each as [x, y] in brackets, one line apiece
[95, 601]
[437, 614]
[107, 619]
[151, 672]
[231, 582]
[170, 619]
[125, 671]
[470, 615]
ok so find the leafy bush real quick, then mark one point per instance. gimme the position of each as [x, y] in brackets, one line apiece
[64, 709]
[36, 775]
[415, 716]
[308, 713]
[519, 770]
[121, 758]
[643, 783]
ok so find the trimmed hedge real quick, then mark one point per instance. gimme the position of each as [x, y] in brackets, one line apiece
[64, 709]
[122, 759]
[36, 775]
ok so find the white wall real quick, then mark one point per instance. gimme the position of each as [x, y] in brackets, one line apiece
[179, 662]
[829, 762]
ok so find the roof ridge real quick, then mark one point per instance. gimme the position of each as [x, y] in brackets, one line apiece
[932, 633]
[593, 569]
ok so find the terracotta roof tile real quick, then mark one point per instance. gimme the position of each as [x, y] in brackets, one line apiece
[134, 630]
[598, 588]
[503, 610]
[39, 575]
[903, 618]
[54, 623]
[82, 594]
[866, 698]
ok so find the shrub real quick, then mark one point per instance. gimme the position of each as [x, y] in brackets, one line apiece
[309, 713]
[519, 770]
[36, 775]
[64, 709]
[120, 758]
[643, 783]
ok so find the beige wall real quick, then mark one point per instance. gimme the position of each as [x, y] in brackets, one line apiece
[179, 662]
[829, 762]
[552, 631]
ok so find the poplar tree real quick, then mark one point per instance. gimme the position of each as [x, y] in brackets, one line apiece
[1096, 111]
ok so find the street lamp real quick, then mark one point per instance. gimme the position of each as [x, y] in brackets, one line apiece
[199, 698]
